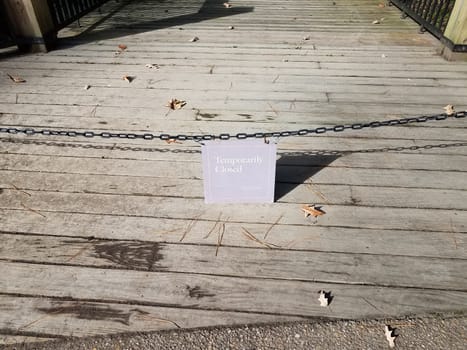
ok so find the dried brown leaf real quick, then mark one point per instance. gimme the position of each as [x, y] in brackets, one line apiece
[122, 47]
[390, 336]
[312, 210]
[128, 78]
[381, 5]
[175, 104]
[170, 141]
[16, 79]
[323, 300]
[449, 109]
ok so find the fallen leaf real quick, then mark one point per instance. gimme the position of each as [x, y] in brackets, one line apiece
[195, 38]
[122, 47]
[152, 65]
[323, 298]
[449, 109]
[87, 87]
[169, 141]
[312, 210]
[376, 22]
[175, 104]
[128, 78]
[231, 27]
[16, 79]
[227, 5]
[390, 336]
[381, 5]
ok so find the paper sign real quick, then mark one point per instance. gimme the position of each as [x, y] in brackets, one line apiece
[239, 171]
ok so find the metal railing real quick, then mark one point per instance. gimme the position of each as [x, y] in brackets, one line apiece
[432, 15]
[65, 12]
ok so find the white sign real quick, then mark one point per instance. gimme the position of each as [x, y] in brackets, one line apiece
[239, 171]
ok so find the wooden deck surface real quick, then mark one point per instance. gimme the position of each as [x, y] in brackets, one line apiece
[104, 236]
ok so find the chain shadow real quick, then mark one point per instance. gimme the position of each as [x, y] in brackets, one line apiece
[163, 16]
[294, 169]
[288, 158]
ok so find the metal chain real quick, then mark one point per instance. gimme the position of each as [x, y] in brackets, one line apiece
[239, 136]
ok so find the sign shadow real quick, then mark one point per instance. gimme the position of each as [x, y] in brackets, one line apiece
[293, 169]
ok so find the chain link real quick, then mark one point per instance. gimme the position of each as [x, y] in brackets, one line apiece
[227, 136]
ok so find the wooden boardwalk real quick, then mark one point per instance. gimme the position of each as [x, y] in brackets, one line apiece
[105, 236]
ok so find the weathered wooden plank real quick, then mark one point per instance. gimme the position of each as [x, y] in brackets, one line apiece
[84, 318]
[195, 97]
[281, 68]
[322, 173]
[340, 38]
[161, 79]
[148, 86]
[140, 92]
[195, 209]
[7, 339]
[372, 160]
[141, 56]
[306, 147]
[136, 60]
[317, 238]
[290, 298]
[141, 53]
[382, 270]
[264, 111]
[214, 122]
[30, 182]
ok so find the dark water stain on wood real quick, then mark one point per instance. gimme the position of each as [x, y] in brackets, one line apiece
[136, 255]
[245, 115]
[88, 311]
[208, 115]
[198, 293]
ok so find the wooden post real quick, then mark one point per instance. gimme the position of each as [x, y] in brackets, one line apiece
[456, 31]
[31, 24]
